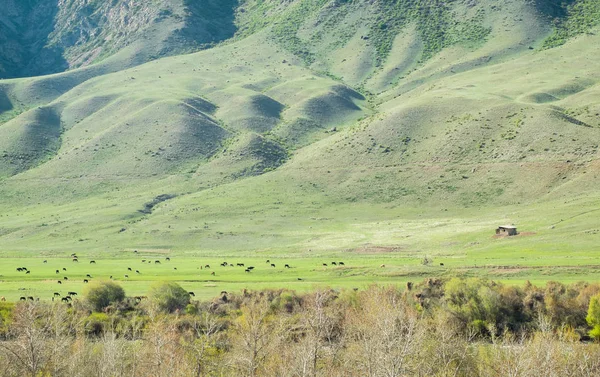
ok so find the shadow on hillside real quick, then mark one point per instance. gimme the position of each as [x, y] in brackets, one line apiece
[29, 33]
[209, 21]
[553, 8]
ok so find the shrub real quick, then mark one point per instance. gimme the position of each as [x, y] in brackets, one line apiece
[103, 293]
[169, 296]
[593, 317]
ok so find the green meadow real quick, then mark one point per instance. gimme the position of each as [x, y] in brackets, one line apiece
[394, 133]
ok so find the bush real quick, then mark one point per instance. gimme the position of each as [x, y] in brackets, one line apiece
[593, 317]
[169, 296]
[103, 293]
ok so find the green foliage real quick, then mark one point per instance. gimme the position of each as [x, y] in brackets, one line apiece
[96, 323]
[593, 317]
[6, 313]
[581, 17]
[101, 294]
[169, 296]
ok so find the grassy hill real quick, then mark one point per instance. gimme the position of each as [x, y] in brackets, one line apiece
[318, 128]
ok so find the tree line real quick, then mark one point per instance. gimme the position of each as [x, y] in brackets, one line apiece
[455, 327]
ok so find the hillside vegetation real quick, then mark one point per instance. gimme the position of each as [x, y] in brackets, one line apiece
[303, 126]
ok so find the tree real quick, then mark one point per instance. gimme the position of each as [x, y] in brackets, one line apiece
[101, 294]
[169, 296]
[593, 317]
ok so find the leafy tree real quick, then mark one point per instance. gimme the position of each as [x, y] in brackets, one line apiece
[593, 317]
[101, 294]
[169, 296]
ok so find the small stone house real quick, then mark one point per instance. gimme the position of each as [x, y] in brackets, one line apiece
[506, 230]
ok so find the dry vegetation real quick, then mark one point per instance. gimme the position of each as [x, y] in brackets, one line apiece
[457, 328]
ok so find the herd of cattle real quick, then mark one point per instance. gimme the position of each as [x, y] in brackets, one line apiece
[69, 297]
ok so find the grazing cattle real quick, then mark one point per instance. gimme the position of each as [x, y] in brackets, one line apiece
[89, 276]
[110, 277]
[156, 262]
[247, 270]
[86, 281]
[251, 268]
[272, 264]
[129, 269]
[57, 271]
[127, 276]
[72, 293]
[19, 269]
[230, 265]
[192, 294]
[224, 264]
[175, 268]
[207, 266]
[325, 264]
[66, 278]
[135, 251]
[73, 255]
[137, 271]
[22, 298]
[30, 298]
[65, 299]
[28, 272]
[92, 262]
[64, 269]
[300, 279]
[223, 292]
[409, 285]
[268, 261]
[240, 265]
[340, 263]
[168, 259]
[333, 264]
[75, 260]
[287, 266]
[59, 282]
[441, 264]
[56, 294]
[212, 273]
[143, 261]
[45, 261]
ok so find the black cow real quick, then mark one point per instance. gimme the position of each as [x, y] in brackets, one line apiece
[64, 269]
[86, 281]
[89, 276]
[137, 271]
[240, 265]
[441, 264]
[72, 293]
[251, 268]
[127, 276]
[300, 279]
[65, 299]
[30, 298]
[28, 272]
[175, 268]
[333, 264]
[56, 294]
[57, 271]
[247, 270]
[19, 269]
[168, 259]
[143, 261]
[129, 269]
[22, 298]
[272, 264]
[287, 266]
[59, 282]
[207, 266]
[156, 262]
[325, 264]
[268, 261]
[45, 261]
[66, 278]
[192, 294]
[341, 264]
[92, 262]
[75, 260]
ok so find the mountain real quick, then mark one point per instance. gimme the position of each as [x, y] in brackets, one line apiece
[245, 126]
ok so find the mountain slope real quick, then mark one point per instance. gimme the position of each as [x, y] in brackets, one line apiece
[313, 107]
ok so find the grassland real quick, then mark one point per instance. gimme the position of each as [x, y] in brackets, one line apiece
[340, 139]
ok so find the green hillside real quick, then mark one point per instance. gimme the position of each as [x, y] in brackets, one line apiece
[310, 127]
